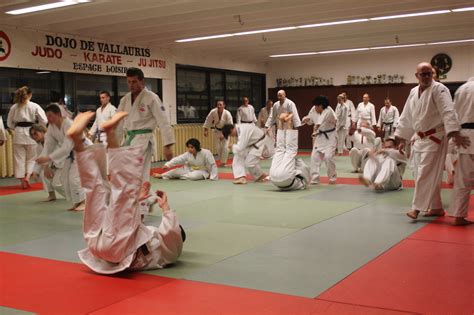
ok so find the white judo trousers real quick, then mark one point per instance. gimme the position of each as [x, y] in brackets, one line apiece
[222, 147]
[248, 150]
[113, 230]
[464, 168]
[428, 172]
[383, 170]
[359, 158]
[463, 181]
[288, 172]
[24, 156]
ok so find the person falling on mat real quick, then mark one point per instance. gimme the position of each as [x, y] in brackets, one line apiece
[113, 230]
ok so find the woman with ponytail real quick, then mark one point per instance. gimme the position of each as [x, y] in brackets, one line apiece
[22, 115]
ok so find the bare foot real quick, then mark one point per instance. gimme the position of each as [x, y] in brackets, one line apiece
[332, 182]
[51, 197]
[378, 187]
[364, 181]
[79, 124]
[113, 122]
[240, 181]
[156, 175]
[81, 206]
[461, 222]
[413, 214]
[262, 178]
[434, 213]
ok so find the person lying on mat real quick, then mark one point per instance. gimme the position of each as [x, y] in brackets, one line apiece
[113, 230]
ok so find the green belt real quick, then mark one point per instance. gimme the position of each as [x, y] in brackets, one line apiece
[132, 133]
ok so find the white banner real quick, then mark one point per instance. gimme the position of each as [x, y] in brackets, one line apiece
[30, 49]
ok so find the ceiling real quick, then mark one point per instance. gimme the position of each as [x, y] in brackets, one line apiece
[158, 23]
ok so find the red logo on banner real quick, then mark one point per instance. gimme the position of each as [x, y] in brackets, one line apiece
[5, 46]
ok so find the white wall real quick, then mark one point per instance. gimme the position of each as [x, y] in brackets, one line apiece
[401, 61]
[169, 86]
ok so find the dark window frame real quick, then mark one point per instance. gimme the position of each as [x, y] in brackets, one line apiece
[224, 72]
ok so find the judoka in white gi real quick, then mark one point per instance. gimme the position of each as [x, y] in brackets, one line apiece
[384, 168]
[198, 164]
[37, 133]
[216, 119]
[21, 116]
[102, 114]
[366, 112]
[388, 119]
[325, 142]
[251, 142]
[351, 119]
[3, 133]
[246, 113]
[464, 168]
[287, 171]
[262, 119]
[58, 158]
[364, 140]
[429, 113]
[113, 230]
[146, 112]
[343, 123]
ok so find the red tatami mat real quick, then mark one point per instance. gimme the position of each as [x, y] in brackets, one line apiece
[441, 230]
[9, 190]
[54, 287]
[418, 276]
[189, 297]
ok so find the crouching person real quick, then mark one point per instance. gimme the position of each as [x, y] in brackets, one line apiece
[113, 230]
[251, 141]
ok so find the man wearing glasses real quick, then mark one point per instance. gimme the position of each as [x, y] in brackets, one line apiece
[429, 115]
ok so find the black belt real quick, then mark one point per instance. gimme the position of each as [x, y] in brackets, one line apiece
[220, 129]
[388, 123]
[255, 144]
[24, 124]
[246, 122]
[293, 181]
[325, 132]
[467, 126]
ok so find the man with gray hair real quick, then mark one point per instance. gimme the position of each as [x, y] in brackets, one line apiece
[429, 115]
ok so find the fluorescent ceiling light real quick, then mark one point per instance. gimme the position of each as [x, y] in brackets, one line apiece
[43, 7]
[463, 9]
[371, 48]
[333, 23]
[266, 31]
[202, 38]
[452, 42]
[341, 51]
[43, 72]
[398, 46]
[409, 15]
[294, 55]
[399, 16]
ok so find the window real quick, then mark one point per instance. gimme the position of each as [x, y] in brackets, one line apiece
[80, 92]
[198, 89]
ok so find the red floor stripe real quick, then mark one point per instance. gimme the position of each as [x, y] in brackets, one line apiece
[430, 272]
[9, 190]
[419, 276]
[55, 287]
[189, 297]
